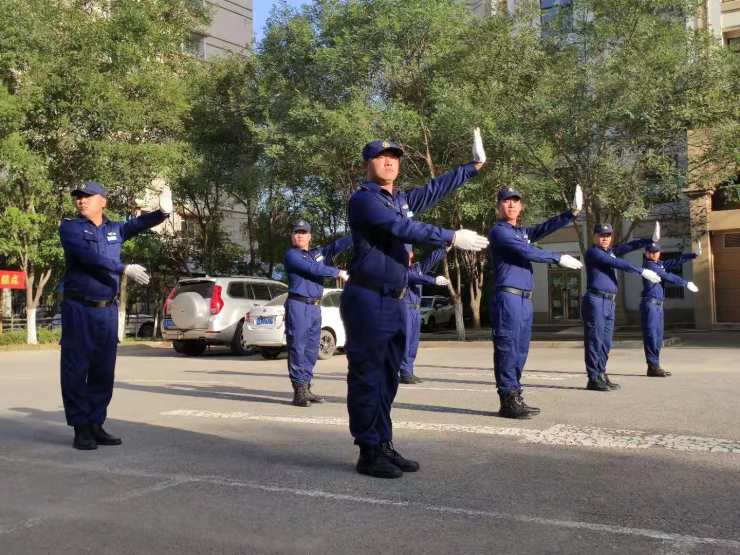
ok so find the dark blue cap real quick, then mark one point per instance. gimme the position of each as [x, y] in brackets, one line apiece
[89, 188]
[301, 225]
[508, 192]
[603, 229]
[374, 148]
[653, 247]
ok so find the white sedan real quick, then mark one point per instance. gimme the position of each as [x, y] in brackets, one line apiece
[264, 326]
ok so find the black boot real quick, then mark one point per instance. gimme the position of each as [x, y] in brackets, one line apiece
[313, 397]
[599, 384]
[84, 439]
[610, 383]
[407, 465]
[532, 410]
[300, 395]
[654, 371]
[411, 379]
[374, 463]
[102, 437]
[511, 407]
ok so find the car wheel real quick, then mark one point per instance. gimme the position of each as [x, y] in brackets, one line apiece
[451, 323]
[192, 348]
[432, 324]
[177, 344]
[237, 343]
[327, 344]
[270, 353]
[146, 330]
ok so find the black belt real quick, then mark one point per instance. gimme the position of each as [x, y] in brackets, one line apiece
[87, 301]
[515, 291]
[379, 289]
[604, 294]
[307, 300]
[653, 300]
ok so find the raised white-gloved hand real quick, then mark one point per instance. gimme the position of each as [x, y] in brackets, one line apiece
[656, 233]
[568, 261]
[698, 248]
[650, 276]
[577, 205]
[441, 281]
[137, 273]
[468, 240]
[165, 200]
[479, 155]
[691, 286]
[343, 275]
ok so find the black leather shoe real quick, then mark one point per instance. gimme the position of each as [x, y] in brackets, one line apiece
[102, 437]
[406, 465]
[373, 463]
[84, 440]
[411, 379]
[313, 397]
[610, 383]
[511, 407]
[530, 409]
[656, 371]
[300, 395]
[599, 384]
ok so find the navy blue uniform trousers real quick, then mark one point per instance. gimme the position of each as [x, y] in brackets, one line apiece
[89, 343]
[376, 340]
[651, 318]
[511, 332]
[302, 333]
[413, 329]
[598, 330]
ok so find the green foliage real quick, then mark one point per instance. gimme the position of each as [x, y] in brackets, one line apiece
[18, 337]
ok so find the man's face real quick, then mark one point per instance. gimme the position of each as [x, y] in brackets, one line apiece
[301, 239]
[654, 256]
[90, 206]
[383, 169]
[510, 208]
[603, 240]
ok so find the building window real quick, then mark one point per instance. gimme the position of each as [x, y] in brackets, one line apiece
[673, 291]
[558, 12]
[727, 196]
[733, 43]
[195, 45]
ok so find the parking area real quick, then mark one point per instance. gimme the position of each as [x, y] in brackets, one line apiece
[215, 459]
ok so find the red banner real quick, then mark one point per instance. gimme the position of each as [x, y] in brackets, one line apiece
[12, 280]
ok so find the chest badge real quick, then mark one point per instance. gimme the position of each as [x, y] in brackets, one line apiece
[319, 258]
[112, 236]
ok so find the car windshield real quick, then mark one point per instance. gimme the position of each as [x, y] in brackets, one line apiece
[203, 288]
[427, 302]
[278, 301]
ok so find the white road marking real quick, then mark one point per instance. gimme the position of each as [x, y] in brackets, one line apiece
[174, 479]
[141, 492]
[560, 434]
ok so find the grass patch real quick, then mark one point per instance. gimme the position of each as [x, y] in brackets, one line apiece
[18, 337]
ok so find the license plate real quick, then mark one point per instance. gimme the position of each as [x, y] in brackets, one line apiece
[168, 324]
[265, 321]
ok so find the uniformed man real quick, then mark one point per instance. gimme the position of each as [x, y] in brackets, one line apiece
[307, 269]
[598, 304]
[92, 253]
[372, 305]
[510, 257]
[418, 276]
[651, 304]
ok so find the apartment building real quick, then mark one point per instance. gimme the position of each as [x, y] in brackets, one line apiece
[230, 30]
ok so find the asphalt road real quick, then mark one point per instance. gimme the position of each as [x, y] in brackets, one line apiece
[216, 460]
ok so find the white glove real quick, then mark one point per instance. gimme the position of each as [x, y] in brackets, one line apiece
[137, 273]
[577, 205]
[343, 275]
[656, 233]
[650, 276]
[165, 200]
[568, 261]
[691, 286]
[441, 281]
[468, 240]
[698, 248]
[479, 155]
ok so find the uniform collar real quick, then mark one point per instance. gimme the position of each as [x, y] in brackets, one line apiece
[92, 223]
[504, 222]
[375, 188]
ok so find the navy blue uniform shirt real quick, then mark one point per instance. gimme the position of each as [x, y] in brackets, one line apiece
[307, 270]
[418, 275]
[602, 266]
[510, 252]
[92, 254]
[655, 290]
[381, 224]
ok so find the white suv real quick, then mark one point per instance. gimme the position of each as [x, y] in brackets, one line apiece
[210, 311]
[436, 311]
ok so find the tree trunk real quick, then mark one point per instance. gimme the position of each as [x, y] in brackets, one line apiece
[122, 308]
[31, 336]
[476, 296]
